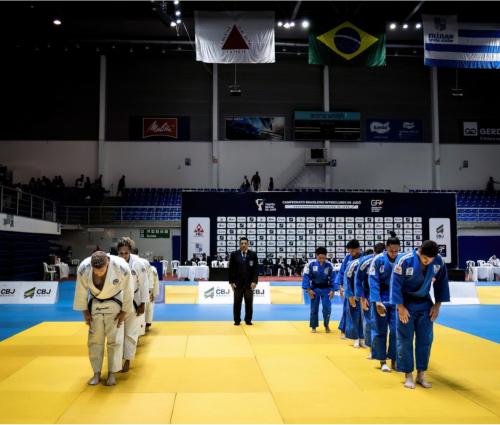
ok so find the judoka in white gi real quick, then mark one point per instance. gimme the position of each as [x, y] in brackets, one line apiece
[140, 281]
[154, 291]
[104, 294]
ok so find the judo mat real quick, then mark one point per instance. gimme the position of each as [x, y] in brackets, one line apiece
[214, 372]
[488, 294]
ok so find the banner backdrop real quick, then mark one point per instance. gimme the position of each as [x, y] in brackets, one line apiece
[221, 293]
[45, 292]
[291, 224]
[393, 130]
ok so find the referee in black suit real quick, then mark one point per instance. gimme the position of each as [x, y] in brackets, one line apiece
[243, 278]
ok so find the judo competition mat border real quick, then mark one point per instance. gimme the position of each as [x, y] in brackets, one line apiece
[196, 367]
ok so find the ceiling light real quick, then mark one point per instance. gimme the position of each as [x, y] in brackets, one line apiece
[393, 26]
[305, 24]
[57, 22]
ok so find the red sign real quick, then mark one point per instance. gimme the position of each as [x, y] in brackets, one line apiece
[159, 127]
[198, 231]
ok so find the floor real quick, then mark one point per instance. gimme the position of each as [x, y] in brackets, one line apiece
[196, 367]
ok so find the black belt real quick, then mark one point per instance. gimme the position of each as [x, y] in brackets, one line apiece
[104, 300]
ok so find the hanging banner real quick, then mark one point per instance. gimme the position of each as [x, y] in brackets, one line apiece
[234, 37]
[393, 130]
[159, 128]
[255, 128]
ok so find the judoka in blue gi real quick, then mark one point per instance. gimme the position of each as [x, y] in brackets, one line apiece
[362, 290]
[353, 318]
[383, 314]
[319, 283]
[354, 251]
[413, 275]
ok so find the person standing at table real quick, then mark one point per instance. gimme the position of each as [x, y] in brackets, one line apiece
[243, 278]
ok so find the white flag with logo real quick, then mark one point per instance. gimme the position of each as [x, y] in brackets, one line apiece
[234, 37]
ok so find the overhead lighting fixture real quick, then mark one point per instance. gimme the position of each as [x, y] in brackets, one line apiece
[405, 26]
[305, 24]
[418, 25]
[178, 21]
[177, 13]
[163, 51]
[292, 24]
[57, 22]
[173, 24]
[176, 2]
[280, 24]
[286, 25]
[393, 26]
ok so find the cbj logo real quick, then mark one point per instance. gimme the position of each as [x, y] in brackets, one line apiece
[7, 291]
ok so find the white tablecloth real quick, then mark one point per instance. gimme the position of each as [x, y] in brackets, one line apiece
[63, 269]
[488, 273]
[193, 272]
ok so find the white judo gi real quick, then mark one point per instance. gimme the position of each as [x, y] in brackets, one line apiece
[154, 290]
[104, 305]
[134, 323]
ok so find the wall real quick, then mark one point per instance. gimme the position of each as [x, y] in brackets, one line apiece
[83, 242]
[60, 104]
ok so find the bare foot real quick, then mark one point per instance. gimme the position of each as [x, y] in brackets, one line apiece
[421, 380]
[111, 380]
[95, 379]
[384, 367]
[409, 381]
[126, 366]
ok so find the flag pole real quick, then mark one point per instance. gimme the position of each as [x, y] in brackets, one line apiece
[436, 155]
[326, 108]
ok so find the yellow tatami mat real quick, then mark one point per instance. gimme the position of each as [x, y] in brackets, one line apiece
[488, 294]
[287, 295]
[214, 372]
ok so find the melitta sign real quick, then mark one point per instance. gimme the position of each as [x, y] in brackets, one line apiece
[159, 127]
[221, 293]
[29, 292]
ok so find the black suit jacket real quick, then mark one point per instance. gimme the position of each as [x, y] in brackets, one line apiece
[243, 272]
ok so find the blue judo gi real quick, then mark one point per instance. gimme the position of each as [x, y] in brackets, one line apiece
[339, 281]
[354, 319]
[362, 290]
[320, 279]
[410, 286]
[379, 280]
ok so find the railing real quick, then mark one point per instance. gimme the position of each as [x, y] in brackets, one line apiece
[478, 214]
[95, 215]
[17, 202]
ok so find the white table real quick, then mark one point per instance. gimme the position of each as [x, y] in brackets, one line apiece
[63, 270]
[193, 272]
[487, 273]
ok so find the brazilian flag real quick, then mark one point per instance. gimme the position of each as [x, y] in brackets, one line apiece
[347, 44]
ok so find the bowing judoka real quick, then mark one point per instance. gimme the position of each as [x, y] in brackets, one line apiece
[153, 293]
[104, 293]
[354, 251]
[413, 276]
[383, 313]
[362, 290]
[318, 281]
[354, 321]
[140, 283]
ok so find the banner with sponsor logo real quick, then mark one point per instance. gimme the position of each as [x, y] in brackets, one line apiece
[234, 37]
[289, 224]
[448, 43]
[45, 292]
[255, 128]
[393, 130]
[198, 234]
[479, 131]
[221, 293]
[159, 128]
